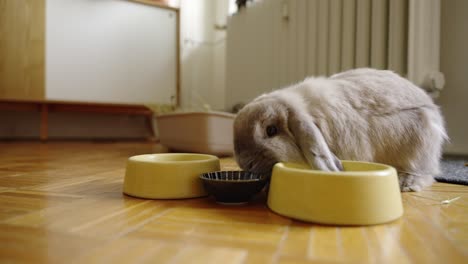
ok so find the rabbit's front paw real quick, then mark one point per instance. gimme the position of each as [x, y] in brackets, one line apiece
[414, 182]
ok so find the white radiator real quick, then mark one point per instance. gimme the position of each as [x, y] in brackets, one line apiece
[273, 43]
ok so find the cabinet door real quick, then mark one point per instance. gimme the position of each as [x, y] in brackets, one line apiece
[110, 51]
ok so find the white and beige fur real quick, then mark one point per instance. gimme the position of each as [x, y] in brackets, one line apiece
[362, 114]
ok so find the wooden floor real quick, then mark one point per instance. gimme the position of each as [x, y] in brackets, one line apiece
[63, 203]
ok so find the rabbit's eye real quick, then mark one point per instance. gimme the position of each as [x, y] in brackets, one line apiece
[271, 130]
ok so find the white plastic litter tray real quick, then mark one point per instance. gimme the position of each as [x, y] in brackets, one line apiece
[198, 132]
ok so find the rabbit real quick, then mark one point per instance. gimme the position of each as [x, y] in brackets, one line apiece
[361, 114]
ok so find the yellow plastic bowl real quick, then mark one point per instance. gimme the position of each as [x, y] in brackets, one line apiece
[363, 194]
[168, 176]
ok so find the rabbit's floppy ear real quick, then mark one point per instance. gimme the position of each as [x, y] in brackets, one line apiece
[310, 140]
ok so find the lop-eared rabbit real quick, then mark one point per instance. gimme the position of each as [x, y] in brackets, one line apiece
[362, 114]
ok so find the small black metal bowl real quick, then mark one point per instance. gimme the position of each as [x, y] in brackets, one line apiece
[233, 187]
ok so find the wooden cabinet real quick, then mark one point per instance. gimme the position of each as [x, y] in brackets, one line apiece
[109, 56]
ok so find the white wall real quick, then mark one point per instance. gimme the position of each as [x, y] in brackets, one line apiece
[454, 64]
[202, 53]
[219, 57]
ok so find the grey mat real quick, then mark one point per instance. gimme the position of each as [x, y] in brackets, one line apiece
[453, 170]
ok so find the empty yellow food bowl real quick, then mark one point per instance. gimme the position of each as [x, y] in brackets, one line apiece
[168, 176]
[363, 194]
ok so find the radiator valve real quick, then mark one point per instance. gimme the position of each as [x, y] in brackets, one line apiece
[434, 83]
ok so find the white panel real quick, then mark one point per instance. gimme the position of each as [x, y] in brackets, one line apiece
[283, 44]
[241, 46]
[251, 49]
[301, 39]
[233, 60]
[397, 36]
[379, 34]
[323, 30]
[363, 19]
[268, 45]
[454, 64]
[219, 77]
[275, 23]
[266, 51]
[334, 40]
[348, 35]
[253, 62]
[424, 44]
[312, 40]
[110, 51]
[292, 42]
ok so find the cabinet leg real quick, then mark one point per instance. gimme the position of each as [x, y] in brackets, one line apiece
[149, 124]
[44, 122]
